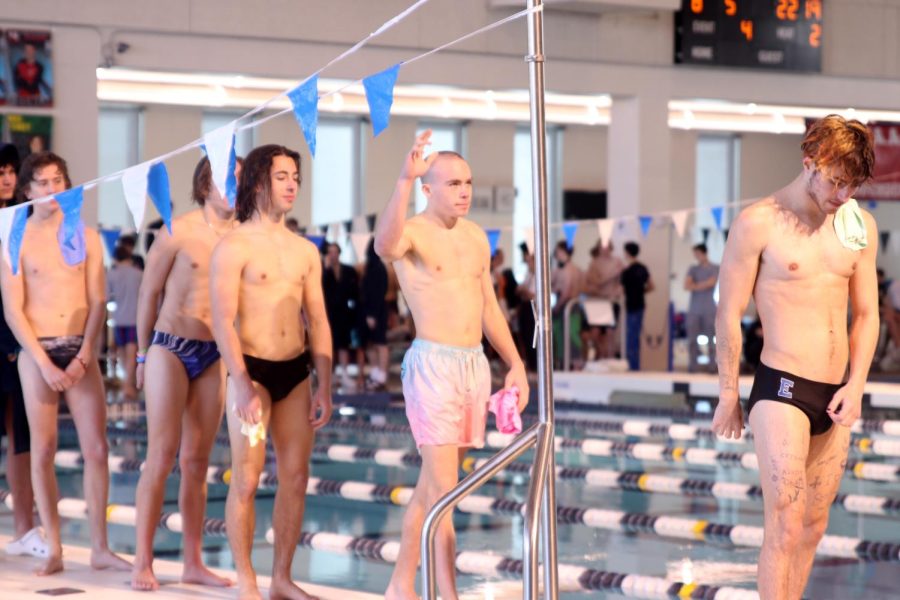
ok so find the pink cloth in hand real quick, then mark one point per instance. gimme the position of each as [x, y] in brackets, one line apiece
[505, 406]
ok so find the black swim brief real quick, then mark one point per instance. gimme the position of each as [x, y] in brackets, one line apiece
[279, 377]
[811, 397]
[61, 350]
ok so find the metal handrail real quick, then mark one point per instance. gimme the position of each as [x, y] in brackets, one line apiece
[542, 492]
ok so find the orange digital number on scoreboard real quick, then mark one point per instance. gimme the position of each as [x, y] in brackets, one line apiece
[787, 10]
[697, 6]
[747, 29]
[815, 35]
[730, 7]
[813, 9]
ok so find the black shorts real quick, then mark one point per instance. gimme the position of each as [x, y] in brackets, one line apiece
[811, 397]
[376, 335]
[11, 397]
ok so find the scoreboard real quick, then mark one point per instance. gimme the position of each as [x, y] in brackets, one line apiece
[766, 34]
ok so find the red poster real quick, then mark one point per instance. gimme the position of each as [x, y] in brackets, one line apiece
[885, 185]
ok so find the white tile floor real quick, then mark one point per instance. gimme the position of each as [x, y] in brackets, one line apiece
[18, 583]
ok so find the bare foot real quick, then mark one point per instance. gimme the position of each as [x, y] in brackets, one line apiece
[54, 564]
[105, 559]
[143, 579]
[287, 590]
[397, 593]
[249, 592]
[203, 576]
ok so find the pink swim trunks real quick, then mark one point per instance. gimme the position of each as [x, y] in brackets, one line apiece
[446, 389]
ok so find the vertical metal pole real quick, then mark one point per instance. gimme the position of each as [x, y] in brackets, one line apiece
[535, 60]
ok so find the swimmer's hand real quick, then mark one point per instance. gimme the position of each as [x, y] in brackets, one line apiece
[57, 379]
[728, 421]
[416, 163]
[75, 370]
[517, 377]
[247, 405]
[846, 405]
[320, 409]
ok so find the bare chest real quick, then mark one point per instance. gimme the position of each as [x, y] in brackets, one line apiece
[447, 256]
[805, 257]
[272, 267]
[43, 264]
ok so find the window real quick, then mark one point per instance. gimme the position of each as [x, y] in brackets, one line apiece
[717, 177]
[444, 137]
[335, 172]
[118, 145]
[523, 213]
[244, 141]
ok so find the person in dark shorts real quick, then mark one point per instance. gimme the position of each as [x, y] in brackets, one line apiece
[373, 314]
[340, 284]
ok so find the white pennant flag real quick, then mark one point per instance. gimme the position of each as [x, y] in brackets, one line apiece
[360, 224]
[218, 149]
[134, 184]
[605, 229]
[529, 239]
[679, 219]
[894, 242]
[6, 219]
[360, 243]
[313, 230]
[334, 232]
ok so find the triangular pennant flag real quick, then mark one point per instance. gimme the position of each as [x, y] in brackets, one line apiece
[317, 240]
[570, 229]
[334, 232]
[360, 224]
[679, 220]
[725, 234]
[219, 144]
[885, 238]
[158, 189]
[305, 101]
[529, 239]
[360, 243]
[370, 219]
[70, 202]
[872, 204]
[605, 229]
[12, 232]
[134, 184]
[705, 232]
[110, 237]
[493, 236]
[646, 221]
[894, 242]
[348, 225]
[380, 96]
[230, 177]
[315, 230]
[717, 215]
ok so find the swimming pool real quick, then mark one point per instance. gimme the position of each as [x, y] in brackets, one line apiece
[710, 561]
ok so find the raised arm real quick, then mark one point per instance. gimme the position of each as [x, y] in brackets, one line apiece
[319, 341]
[740, 265]
[156, 273]
[846, 406]
[496, 328]
[226, 267]
[390, 242]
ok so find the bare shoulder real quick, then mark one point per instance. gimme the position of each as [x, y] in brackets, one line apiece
[871, 225]
[476, 231]
[91, 236]
[300, 244]
[756, 220]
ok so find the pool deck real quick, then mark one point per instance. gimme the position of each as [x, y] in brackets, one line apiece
[18, 583]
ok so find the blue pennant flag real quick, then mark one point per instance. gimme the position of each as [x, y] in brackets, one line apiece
[158, 189]
[70, 202]
[110, 237]
[646, 221]
[317, 240]
[16, 235]
[570, 229]
[305, 100]
[380, 96]
[717, 215]
[230, 179]
[493, 236]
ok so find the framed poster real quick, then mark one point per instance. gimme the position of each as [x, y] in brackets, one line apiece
[31, 67]
[482, 198]
[504, 199]
[30, 133]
